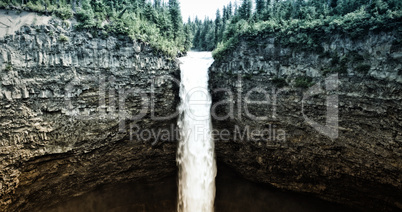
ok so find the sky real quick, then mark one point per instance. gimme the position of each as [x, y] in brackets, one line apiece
[202, 8]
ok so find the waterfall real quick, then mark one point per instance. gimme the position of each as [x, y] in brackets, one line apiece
[195, 156]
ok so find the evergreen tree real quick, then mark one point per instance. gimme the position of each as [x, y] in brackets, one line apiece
[236, 8]
[197, 39]
[245, 9]
[157, 4]
[152, 21]
[217, 26]
[188, 42]
[175, 17]
[150, 13]
[229, 10]
[224, 14]
[260, 8]
[165, 24]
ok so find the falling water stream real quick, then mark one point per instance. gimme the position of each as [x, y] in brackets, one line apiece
[197, 169]
[195, 157]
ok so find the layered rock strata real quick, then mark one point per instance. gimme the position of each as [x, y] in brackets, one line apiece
[79, 110]
[323, 122]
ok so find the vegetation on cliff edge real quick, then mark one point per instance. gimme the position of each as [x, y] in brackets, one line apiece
[157, 23]
[297, 23]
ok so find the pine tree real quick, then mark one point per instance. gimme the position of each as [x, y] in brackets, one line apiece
[260, 8]
[217, 26]
[224, 14]
[175, 17]
[157, 4]
[245, 9]
[229, 10]
[165, 24]
[150, 13]
[332, 3]
[188, 42]
[236, 8]
[197, 38]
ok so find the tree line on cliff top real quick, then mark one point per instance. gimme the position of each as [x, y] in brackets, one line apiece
[298, 23]
[156, 22]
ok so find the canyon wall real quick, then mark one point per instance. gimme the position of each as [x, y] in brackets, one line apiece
[325, 122]
[81, 109]
[78, 110]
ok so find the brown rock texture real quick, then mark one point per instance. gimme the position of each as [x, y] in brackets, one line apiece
[357, 159]
[68, 101]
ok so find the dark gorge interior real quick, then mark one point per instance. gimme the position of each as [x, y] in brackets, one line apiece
[87, 91]
[234, 193]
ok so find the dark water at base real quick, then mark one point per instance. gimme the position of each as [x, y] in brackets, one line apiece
[233, 194]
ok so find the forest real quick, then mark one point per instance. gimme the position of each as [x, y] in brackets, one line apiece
[298, 23]
[157, 23]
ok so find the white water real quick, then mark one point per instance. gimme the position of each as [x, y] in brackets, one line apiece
[196, 156]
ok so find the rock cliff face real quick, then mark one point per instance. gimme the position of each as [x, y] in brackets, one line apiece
[78, 111]
[327, 123]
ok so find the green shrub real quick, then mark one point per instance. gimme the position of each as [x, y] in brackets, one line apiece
[118, 27]
[35, 7]
[306, 33]
[279, 82]
[304, 82]
[3, 4]
[85, 19]
[247, 76]
[104, 34]
[63, 38]
[64, 13]
[225, 48]
[141, 22]
[343, 60]
[8, 67]
[363, 68]
[325, 54]
[356, 57]
[65, 24]
[335, 59]
[342, 69]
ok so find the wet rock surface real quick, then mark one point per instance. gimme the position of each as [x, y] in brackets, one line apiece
[72, 104]
[64, 94]
[295, 144]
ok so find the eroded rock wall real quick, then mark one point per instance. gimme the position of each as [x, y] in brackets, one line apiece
[73, 104]
[357, 159]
